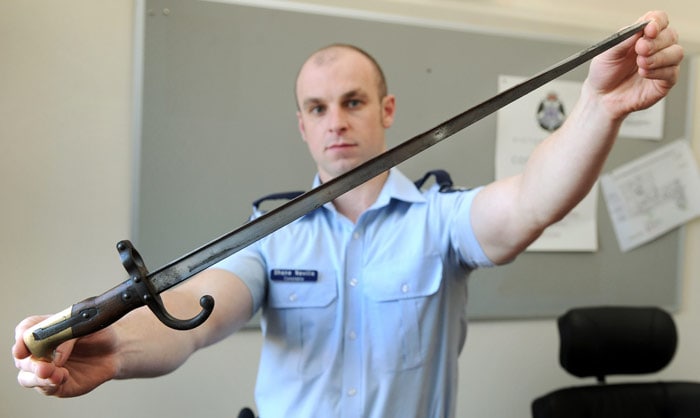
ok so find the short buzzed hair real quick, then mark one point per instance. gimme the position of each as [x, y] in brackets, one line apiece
[319, 57]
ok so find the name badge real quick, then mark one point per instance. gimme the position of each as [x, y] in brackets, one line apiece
[293, 275]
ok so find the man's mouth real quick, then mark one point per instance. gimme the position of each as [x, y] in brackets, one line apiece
[339, 145]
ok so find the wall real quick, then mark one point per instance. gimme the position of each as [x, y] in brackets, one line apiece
[580, 20]
[66, 121]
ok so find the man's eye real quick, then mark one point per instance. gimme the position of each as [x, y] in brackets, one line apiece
[316, 110]
[353, 103]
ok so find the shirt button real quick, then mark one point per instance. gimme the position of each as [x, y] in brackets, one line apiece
[353, 282]
[405, 288]
[293, 297]
[352, 335]
[352, 392]
[356, 235]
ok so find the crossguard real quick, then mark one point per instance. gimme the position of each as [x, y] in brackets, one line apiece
[134, 265]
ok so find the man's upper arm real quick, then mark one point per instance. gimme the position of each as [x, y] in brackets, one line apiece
[501, 225]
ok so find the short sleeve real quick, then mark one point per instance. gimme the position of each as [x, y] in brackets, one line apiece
[249, 266]
[462, 237]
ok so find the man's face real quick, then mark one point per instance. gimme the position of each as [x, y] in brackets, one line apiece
[341, 116]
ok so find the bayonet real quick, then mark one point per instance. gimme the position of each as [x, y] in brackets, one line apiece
[144, 288]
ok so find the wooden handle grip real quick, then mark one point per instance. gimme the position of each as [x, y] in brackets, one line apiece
[83, 318]
[44, 348]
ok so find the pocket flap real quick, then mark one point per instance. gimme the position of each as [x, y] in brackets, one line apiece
[404, 280]
[303, 294]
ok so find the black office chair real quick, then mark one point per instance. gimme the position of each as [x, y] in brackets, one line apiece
[246, 413]
[604, 341]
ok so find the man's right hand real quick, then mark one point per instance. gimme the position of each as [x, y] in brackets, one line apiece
[78, 366]
[137, 345]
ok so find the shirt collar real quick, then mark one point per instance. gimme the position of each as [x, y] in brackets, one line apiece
[397, 186]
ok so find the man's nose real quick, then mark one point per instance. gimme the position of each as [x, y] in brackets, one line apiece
[338, 121]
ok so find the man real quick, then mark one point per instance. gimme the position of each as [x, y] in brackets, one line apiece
[364, 298]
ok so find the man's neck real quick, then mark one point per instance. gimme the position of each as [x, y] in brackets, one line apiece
[355, 202]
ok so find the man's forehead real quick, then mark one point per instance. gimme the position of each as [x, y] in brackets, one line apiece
[334, 73]
[343, 77]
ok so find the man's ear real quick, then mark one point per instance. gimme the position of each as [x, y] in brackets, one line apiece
[302, 129]
[388, 110]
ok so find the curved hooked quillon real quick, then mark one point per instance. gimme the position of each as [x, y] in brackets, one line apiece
[134, 265]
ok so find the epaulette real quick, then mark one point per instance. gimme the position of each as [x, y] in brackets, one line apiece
[257, 211]
[442, 179]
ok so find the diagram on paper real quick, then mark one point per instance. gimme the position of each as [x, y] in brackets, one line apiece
[652, 195]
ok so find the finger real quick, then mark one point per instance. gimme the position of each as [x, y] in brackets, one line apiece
[659, 21]
[47, 390]
[19, 349]
[647, 46]
[39, 368]
[44, 386]
[63, 352]
[30, 380]
[667, 75]
[668, 57]
[39, 374]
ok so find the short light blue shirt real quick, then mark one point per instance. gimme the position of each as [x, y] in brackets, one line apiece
[364, 320]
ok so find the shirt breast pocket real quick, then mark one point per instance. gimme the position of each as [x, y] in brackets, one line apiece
[300, 318]
[403, 301]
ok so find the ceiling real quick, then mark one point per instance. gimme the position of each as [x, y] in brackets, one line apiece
[583, 20]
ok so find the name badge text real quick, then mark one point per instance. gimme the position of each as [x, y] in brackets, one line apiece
[293, 275]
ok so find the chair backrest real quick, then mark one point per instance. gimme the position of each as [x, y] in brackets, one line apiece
[609, 340]
[604, 341]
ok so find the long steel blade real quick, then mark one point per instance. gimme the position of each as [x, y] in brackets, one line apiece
[220, 248]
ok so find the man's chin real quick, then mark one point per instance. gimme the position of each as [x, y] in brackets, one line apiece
[342, 167]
